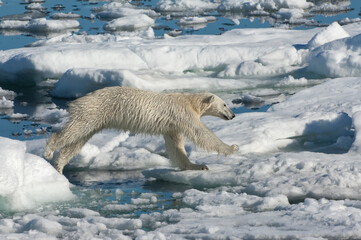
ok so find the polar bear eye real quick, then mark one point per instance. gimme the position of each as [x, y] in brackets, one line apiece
[224, 105]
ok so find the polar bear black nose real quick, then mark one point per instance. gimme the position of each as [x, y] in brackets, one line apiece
[233, 116]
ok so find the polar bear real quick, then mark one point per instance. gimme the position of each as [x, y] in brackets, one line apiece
[173, 115]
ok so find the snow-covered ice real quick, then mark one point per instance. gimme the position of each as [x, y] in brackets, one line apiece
[186, 5]
[129, 23]
[40, 25]
[5, 103]
[120, 9]
[196, 22]
[329, 34]
[69, 15]
[26, 180]
[236, 54]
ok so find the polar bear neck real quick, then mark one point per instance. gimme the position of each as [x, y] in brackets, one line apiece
[196, 101]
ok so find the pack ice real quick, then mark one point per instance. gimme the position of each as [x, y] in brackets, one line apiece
[297, 174]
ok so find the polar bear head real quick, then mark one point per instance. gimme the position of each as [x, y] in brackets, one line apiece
[216, 107]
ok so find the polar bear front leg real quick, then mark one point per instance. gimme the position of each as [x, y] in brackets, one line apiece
[174, 144]
[203, 137]
[67, 153]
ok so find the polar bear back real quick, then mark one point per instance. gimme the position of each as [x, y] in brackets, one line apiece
[136, 110]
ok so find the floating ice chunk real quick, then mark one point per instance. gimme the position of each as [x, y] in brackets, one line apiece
[4, 103]
[270, 5]
[186, 5]
[250, 101]
[284, 13]
[129, 23]
[27, 180]
[28, 132]
[7, 94]
[39, 25]
[329, 34]
[35, 6]
[69, 15]
[18, 116]
[34, 1]
[118, 10]
[348, 21]
[330, 8]
[113, 6]
[196, 20]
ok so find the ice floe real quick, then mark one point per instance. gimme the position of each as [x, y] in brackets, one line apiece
[329, 34]
[298, 164]
[129, 23]
[5, 103]
[69, 15]
[26, 180]
[40, 25]
[119, 9]
[235, 54]
[186, 5]
[339, 58]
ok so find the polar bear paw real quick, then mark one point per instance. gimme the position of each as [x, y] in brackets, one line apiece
[231, 149]
[235, 148]
[197, 167]
[48, 154]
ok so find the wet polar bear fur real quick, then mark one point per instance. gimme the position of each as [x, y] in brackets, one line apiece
[176, 116]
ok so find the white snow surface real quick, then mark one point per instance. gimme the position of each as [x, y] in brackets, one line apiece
[129, 23]
[236, 55]
[26, 180]
[267, 190]
[40, 25]
[120, 9]
[329, 34]
[69, 15]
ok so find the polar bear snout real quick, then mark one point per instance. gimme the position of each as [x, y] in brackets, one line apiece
[232, 116]
[228, 117]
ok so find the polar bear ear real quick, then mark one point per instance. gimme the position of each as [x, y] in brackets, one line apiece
[209, 99]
